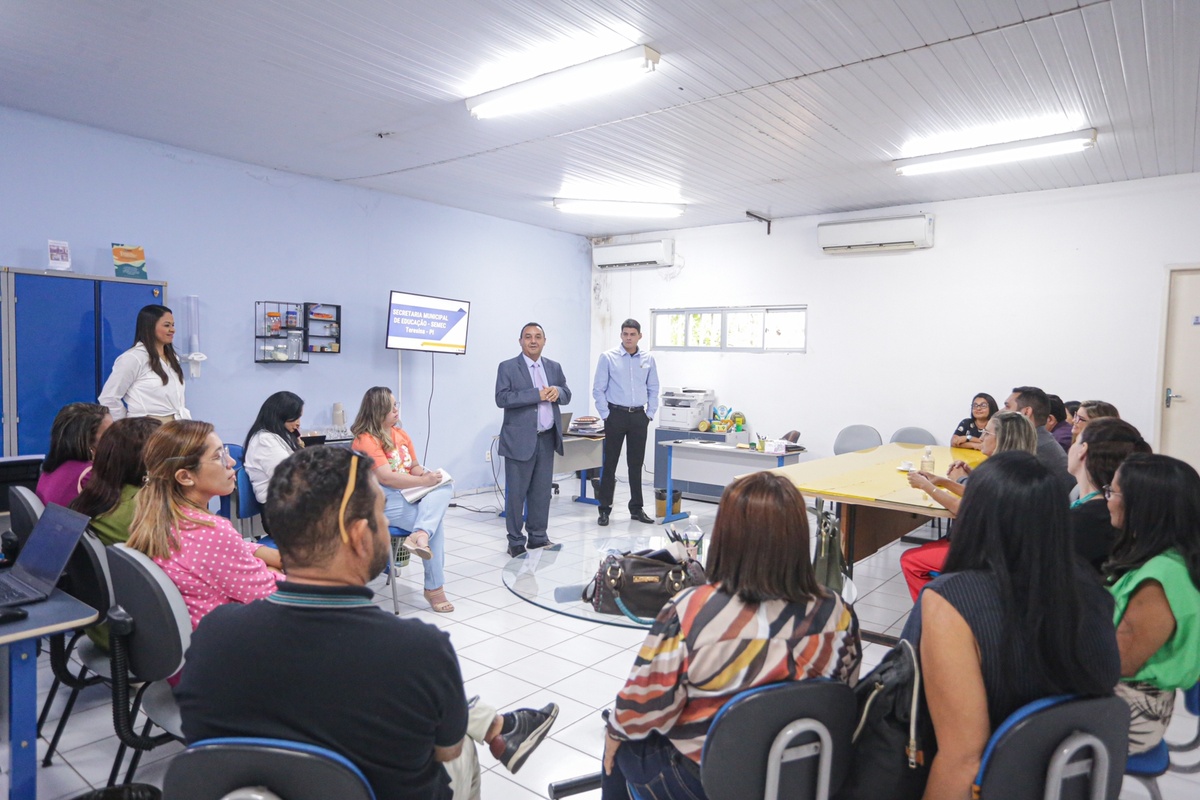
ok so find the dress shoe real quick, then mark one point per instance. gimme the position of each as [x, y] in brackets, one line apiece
[640, 516]
[515, 550]
[546, 545]
[603, 518]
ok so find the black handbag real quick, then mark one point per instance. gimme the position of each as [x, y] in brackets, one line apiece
[829, 564]
[893, 742]
[639, 584]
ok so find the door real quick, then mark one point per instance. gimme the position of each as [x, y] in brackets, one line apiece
[1180, 393]
[55, 323]
[119, 307]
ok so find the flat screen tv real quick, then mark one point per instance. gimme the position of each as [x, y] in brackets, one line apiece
[427, 324]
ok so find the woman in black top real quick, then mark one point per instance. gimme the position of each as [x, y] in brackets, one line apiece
[1015, 617]
[970, 430]
[1093, 460]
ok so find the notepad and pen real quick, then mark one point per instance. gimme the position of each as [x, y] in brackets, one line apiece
[415, 493]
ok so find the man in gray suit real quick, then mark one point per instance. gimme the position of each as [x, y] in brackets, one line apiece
[530, 388]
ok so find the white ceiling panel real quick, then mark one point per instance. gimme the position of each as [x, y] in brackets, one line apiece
[783, 107]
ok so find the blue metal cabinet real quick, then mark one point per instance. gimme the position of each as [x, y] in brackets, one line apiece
[118, 305]
[60, 336]
[54, 323]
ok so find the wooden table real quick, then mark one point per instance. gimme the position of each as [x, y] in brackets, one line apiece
[878, 506]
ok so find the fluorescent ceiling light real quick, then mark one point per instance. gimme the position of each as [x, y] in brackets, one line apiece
[619, 208]
[998, 153]
[589, 79]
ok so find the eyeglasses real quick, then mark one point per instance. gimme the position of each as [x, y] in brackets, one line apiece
[222, 456]
[986, 432]
[350, 481]
[979, 405]
[1109, 492]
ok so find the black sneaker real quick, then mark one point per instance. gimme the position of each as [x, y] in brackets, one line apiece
[529, 728]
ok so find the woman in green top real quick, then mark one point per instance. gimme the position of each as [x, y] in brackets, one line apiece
[1154, 576]
[117, 473]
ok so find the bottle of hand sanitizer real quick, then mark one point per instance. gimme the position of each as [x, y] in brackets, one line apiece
[927, 461]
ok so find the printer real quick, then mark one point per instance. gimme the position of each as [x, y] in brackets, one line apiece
[685, 409]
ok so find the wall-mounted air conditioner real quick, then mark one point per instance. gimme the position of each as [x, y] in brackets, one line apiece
[870, 235]
[658, 253]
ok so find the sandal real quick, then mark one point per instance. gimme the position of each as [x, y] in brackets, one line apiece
[437, 600]
[419, 548]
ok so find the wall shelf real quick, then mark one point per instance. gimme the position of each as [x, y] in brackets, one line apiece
[279, 335]
[322, 328]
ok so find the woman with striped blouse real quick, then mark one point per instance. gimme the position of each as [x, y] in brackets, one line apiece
[762, 618]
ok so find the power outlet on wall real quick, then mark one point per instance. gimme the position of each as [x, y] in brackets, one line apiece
[487, 455]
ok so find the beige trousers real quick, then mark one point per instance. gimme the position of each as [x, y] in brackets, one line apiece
[464, 770]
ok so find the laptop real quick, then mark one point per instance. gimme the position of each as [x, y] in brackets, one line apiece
[44, 557]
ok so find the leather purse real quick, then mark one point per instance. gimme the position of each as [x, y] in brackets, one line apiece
[639, 584]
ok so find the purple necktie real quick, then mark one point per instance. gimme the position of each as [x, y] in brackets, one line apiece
[545, 413]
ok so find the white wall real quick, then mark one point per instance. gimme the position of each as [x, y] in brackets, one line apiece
[1061, 289]
[234, 233]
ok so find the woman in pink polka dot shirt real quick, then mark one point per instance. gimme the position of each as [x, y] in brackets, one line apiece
[187, 466]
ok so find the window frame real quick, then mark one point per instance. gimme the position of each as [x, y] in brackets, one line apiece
[657, 314]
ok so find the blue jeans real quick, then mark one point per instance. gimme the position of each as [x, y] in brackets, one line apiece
[428, 514]
[655, 769]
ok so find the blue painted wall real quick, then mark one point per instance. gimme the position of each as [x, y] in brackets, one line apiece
[233, 233]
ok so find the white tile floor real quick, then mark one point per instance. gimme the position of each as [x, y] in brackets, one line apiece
[513, 654]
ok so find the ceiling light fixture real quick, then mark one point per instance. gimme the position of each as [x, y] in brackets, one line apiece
[619, 208]
[589, 79]
[987, 155]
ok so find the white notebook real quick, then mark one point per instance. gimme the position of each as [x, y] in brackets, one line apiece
[417, 492]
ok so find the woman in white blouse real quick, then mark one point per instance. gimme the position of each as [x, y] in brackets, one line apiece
[146, 379]
[274, 436]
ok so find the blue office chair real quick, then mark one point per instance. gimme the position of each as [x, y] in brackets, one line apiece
[238, 454]
[215, 768]
[1062, 746]
[1191, 701]
[1146, 767]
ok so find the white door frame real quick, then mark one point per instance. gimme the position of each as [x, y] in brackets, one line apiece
[1160, 371]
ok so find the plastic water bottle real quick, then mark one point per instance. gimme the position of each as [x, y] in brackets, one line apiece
[927, 461]
[693, 535]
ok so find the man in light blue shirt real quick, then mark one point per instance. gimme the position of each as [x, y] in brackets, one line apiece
[626, 393]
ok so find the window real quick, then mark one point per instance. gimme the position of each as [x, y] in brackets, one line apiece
[755, 329]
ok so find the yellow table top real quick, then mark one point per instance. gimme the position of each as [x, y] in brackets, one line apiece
[873, 476]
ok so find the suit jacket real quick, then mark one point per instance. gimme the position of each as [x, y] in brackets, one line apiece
[517, 395]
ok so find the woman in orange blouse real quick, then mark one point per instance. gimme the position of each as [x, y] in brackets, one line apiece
[763, 618]
[377, 433]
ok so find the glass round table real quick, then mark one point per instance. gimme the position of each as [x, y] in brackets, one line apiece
[554, 579]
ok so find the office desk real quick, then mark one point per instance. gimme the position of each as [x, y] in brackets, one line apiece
[581, 454]
[60, 612]
[878, 505]
[714, 463]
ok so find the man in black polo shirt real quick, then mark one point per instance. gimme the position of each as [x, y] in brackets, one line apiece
[319, 662]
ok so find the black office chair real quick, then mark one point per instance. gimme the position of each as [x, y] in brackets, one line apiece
[215, 768]
[149, 633]
[25, 509]
[784, 740]
[86, 579]
[1061, 746]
